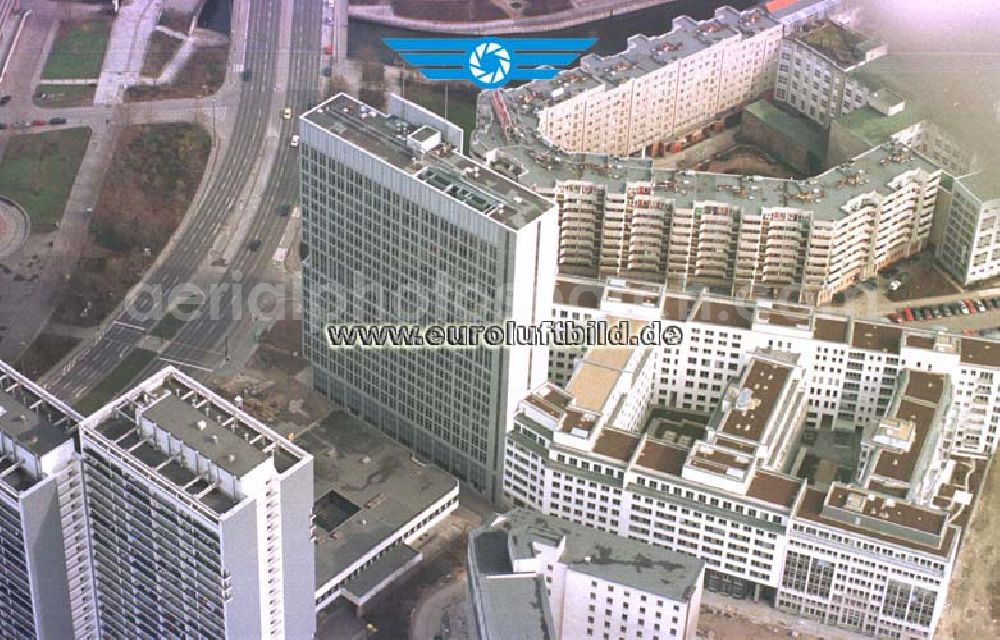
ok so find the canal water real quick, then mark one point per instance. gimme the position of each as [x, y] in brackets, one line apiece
[365, 39]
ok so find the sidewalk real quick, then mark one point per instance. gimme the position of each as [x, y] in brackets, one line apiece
[126, 49]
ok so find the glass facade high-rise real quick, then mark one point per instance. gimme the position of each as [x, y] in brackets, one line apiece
[400, 227]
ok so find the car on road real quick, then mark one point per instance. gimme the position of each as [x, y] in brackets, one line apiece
[327, 72]
[57, 120]
[247, 75]
[38, 122]
[286, 113]
[254, 244]
[4, 100]
[295, 140]
[283, 210]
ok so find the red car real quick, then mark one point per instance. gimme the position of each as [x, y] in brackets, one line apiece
[908, 314]
[895, 317]
[970, 306]
[39, 122]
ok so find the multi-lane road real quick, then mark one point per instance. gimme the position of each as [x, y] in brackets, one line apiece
[263, 95]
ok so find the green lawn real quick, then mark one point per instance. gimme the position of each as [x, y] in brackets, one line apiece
[159, 52]
[38, 170]
[78, 50]
[174, 319]
[116, 382]
[58, 96]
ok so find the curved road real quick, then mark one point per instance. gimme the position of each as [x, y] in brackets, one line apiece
[186, 253]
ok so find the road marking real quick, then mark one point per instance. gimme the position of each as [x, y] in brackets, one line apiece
[186, 364]
[130, 326]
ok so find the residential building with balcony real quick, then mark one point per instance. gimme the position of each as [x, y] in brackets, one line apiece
[46, 584]
[201, 517]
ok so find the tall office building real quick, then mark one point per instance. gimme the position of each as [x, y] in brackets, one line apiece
[201, 518]
[400, 226]
[46, 588]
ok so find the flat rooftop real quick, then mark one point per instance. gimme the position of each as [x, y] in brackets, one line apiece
[841, 45]
[775, 488]
[763, 382]
[384, 136]
[206, 435]
[596, 376]
[615, 444]
[662, 457]
[652, 569]
[798, 128]
[376, 476]
[918, 403]
[885, 519]
[31, 416]
[32, 431]
[876, 337]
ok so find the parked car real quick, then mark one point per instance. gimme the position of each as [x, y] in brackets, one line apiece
[935, 312]
[57, 120]
[895, 317]
[918, 315]
[908, 314]
[3, 125]
[980, 306]
[38, 122]
[21, 124]
[254, 244]
[995, 302]
[967, 307]
[946, 311]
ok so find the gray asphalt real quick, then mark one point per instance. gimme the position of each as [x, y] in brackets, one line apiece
[196, 341]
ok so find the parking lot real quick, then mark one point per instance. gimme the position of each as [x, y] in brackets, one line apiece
[957, 309]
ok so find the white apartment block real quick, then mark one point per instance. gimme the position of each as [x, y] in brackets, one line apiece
[660, 87]
[402, 227]
[537, 577]
[814, 71]
[796, 15]
[708, 471]
[46, 586]
[201, 517]
[971, 244]
[749, 236]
